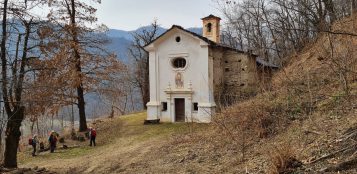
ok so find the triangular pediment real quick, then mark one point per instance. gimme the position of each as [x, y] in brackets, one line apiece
[174, 30]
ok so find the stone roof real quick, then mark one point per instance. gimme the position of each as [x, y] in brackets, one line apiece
[211, 16]
[211, 43]
[214, 44]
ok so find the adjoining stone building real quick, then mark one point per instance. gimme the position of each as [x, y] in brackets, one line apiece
[190, 74]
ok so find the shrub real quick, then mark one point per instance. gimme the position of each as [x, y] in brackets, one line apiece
[61, 140]
[283, 160]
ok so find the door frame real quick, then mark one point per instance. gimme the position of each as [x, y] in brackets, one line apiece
[184, 109]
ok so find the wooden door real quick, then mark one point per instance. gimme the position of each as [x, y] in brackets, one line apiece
[179, 109]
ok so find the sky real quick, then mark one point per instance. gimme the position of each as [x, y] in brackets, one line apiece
[132, 14]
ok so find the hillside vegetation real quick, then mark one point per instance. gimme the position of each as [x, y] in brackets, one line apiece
[307, 122]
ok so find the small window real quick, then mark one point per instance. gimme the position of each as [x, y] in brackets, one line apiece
[239, 60]
[164, 106]
[179, 62]
[209, 27]
[225, 61]
[178, 39]
[226, 69]
[243, 69]
[242, 84]
[195, 106]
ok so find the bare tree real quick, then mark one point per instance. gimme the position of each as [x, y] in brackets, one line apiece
[14, 70]
[276, 28]
[141, 59]
[83, 44]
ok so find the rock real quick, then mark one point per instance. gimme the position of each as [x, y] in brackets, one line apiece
[41, 169]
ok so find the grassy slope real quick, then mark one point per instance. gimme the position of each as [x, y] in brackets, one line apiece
[122, 141]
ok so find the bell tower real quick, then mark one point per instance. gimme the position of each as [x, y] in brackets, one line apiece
[211, 28]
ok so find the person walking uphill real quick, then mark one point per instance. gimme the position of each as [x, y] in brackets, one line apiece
[34, 142]
[92, 135]
[52, 141]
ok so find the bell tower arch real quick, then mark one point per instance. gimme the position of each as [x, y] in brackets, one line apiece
[211, 28]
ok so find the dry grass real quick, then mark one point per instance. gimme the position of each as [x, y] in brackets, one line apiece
[122, 142]
[282, 159]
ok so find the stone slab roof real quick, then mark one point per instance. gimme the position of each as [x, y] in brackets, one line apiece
[215, 45]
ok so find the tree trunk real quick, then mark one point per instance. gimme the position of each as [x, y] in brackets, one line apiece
[146, 85]
[72, 119]
[81, 108]
[12, 139]
[77, 57]
[32, 126]
[38, 128]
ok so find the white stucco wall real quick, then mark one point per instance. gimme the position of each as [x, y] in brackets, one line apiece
[197, 79]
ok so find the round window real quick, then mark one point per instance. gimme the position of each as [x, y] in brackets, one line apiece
[179, 62]
[178, 39]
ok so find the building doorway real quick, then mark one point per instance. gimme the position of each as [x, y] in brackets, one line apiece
[179, 109]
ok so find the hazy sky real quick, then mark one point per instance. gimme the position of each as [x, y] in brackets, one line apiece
[132, 14]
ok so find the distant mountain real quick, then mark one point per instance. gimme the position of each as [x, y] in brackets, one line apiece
[195, 30]
[119, 46]
[128, 34]
[121, 40]
[114, 33]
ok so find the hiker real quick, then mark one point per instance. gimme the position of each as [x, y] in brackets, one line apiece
[34, 142]
[52, 141]
[92, 135]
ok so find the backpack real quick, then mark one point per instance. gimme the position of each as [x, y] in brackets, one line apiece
[93, 133]
[30, 141]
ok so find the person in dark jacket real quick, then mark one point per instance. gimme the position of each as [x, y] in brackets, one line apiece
[92, 136]
[34, 144]
[52, 141]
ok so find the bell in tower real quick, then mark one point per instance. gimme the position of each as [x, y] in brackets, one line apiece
[211, 28]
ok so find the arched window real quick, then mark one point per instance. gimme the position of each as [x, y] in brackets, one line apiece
[209, 27]
[179, 62]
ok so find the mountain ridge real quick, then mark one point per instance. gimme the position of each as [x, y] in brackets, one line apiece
[121, 40]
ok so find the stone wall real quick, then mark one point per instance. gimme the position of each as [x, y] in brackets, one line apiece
[240, 72]
[235, 74]
[218, 72]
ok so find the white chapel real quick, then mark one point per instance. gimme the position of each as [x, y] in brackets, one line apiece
[187, 73]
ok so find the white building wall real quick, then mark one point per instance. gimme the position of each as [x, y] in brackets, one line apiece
[197, 79]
